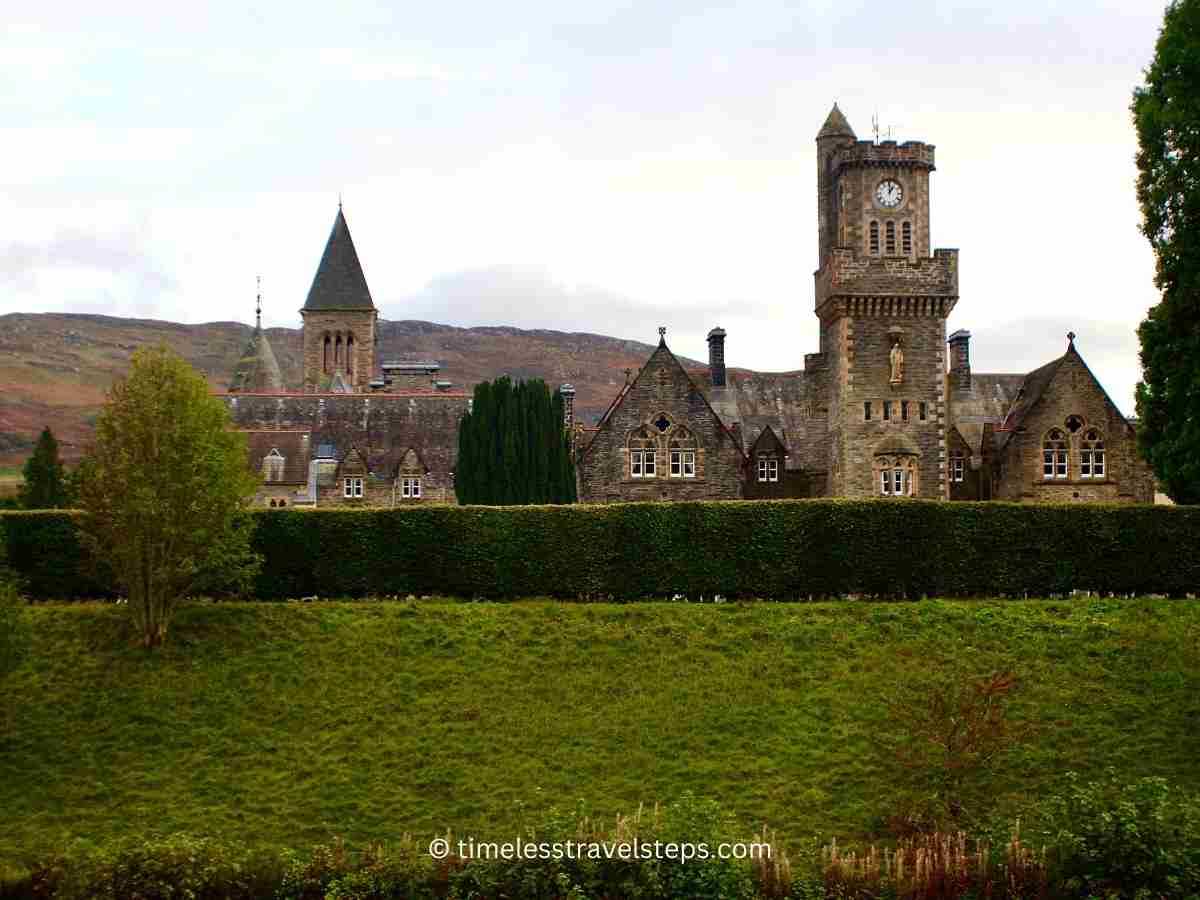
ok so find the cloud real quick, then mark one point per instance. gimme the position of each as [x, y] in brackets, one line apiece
[110, 273]
[531, 297]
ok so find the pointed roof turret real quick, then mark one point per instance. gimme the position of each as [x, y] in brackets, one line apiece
[339, 282]
[836, 125]
[257, 371]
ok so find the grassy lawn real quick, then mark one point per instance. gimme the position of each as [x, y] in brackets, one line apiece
[280, 724]
[11, 479]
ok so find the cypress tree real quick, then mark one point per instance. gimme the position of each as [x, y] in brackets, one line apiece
[45, 484]
[512, 447]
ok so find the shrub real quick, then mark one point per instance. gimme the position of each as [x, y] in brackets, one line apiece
[1121, 838]
[778, 549]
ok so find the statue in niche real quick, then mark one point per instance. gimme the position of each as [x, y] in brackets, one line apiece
[897, 360]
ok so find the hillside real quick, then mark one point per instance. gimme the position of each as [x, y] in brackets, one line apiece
[55, 368]
[281, 724]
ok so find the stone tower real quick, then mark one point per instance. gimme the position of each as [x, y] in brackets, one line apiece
[882, 300]
[339, 319]
[257, 370]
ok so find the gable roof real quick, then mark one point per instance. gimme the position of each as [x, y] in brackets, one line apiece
[293, 446]
[339, 282]
[1035, 385]
[663, 352]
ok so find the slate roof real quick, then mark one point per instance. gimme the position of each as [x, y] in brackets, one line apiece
[1032, 388]
[292, 445]
[257, 370]
[836, 125]
[339, 282]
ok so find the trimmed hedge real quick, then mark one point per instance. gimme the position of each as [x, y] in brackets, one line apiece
[782, 549]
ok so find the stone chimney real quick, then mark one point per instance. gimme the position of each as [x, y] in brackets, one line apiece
[960, 356]
[568, 395]
[716, 356]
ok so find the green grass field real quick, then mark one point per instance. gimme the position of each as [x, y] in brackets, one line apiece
[281, 724]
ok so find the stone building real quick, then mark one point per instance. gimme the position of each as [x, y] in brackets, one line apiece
[356, 431]
[888, 405]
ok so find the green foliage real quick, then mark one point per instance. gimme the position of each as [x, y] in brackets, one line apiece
[45, 484]
[283, 723]
[1166, 113]
[1124, 838]
[164, 490]
[779, 549]
[512, 447]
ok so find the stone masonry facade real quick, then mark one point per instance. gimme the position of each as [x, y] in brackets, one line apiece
[888, 406]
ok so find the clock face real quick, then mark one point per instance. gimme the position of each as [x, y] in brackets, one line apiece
[889, 194]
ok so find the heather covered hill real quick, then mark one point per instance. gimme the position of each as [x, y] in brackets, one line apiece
[54, 368]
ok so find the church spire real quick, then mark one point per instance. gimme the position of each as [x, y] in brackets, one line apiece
[339, 282]
[258, 303]
[257, 369]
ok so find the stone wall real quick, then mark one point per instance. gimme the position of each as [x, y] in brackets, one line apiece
[662, 391]
[1073, 391]
[359, 323]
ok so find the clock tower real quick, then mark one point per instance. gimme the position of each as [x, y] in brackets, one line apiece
[882, 299]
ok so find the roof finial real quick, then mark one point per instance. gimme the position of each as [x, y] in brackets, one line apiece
[339, 201]
[1070, 339]
[662, 334]
[258, 304]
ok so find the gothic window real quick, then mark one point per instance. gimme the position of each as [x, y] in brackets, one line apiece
[410, 487]
[325, 359]
[272, 504]
[683, 454]
[958, 465]
[890, 231]
[768, 468]
[906, 238]
[1074, 423]
[874, 233]
[337, 351]
[887, 410]
[1091, 455]
[1054, 455]
[352, 486]
[896, 476]
[867, 411]
[903, 410]
[642, 450]
[349, 354]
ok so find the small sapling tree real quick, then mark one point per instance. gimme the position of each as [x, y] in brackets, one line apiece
[164, 490]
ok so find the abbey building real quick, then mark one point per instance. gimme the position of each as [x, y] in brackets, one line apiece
[888, 406]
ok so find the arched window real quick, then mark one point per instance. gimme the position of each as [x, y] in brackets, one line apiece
[282, 502]
[682, 448]
[643, 454]
[349, 354]
[874, 238]
[272, 504]
[890, 231]
[326, 361]
[896, 476]
[1091, 455]
[337, 352]
[1054, 455]
[906, 238]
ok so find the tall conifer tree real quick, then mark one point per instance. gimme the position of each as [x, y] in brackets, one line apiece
[513, 448]
[45, 483]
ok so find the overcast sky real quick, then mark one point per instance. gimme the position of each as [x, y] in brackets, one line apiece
[600, 166]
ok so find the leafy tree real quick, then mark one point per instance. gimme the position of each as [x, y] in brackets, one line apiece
[512, 447]
[45, 482]
[1166, 113]
[164, 489]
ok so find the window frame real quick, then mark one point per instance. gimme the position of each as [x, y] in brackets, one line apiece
[1055, 452]
[873, 238]
[958, 466]
[410, 487]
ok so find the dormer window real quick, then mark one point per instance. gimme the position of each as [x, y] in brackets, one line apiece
[768, 468]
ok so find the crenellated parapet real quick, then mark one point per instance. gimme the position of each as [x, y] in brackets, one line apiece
[885, 154]
[849, 275]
